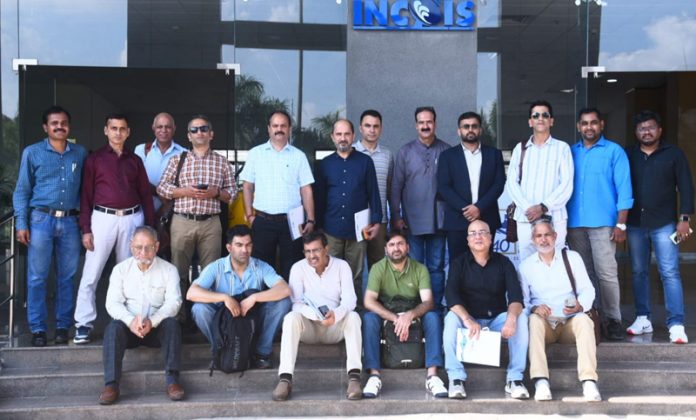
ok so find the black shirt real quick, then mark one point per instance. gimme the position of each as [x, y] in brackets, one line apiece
[482, 290]
[656, 179]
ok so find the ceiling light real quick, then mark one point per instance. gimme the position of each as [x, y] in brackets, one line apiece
[612, 80]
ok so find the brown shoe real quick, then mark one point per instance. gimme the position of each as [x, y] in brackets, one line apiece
[354, 389]
[282, 390]
[175, 392]
[109, 395]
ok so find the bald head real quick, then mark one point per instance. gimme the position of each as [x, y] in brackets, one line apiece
[479, 238]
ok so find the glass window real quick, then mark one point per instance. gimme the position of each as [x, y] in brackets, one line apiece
[324, 11]
[268, 10]
[488, 13]
[487, 96]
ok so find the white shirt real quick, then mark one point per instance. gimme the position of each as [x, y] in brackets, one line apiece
[131, 291]
[550, 285]
[473, 164]
[547, 177]
[334, 288]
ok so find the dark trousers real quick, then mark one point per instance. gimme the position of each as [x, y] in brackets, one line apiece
[118, 337]
[456, 243]
[270, 235]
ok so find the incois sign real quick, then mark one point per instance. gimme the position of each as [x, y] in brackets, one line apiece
[414, 15]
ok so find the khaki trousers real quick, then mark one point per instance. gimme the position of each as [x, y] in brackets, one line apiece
[353, 252]
[297, 328]
[578, 329]
[190, 235]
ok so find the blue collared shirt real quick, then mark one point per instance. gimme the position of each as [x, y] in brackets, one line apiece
[48, 179]
[156, 162]
[219, 277]
[602, 184]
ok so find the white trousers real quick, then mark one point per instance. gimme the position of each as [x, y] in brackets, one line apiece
[525, 246]
[109, 232]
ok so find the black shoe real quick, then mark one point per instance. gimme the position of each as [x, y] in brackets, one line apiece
[262, 362]
[61, 336]
[614, 330]
[39, 339]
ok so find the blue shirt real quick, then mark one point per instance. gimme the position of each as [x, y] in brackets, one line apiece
[156, 162]
[345, 187]
[219, 277]
[602, 184]
[48, 179]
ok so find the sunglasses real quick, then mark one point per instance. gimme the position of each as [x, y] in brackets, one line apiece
[469, 126]
[544, 115]
[202, 129]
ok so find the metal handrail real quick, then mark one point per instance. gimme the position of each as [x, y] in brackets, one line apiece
[5, 218]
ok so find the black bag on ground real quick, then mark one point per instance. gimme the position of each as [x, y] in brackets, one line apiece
[234, 338]
[409, 354]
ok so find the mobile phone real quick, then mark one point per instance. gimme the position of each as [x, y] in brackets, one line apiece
[202, 186]
[324, 310]
[570, 302]
[675, 240]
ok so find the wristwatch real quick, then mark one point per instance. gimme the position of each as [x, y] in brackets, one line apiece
[621, 226]
[544, 208]
[310, 221]
[684, 218]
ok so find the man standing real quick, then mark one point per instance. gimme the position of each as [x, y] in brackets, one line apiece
[398, 275]
[142, 318]
[46, 202]
[414, 205]
[347, 184]
[483, 291]
[116, 198]
[597, 212]
[277, 178]
[658, 171]
[206, 178]
[371, 130]
[546, 180]
[469, 192]
[320, 282]
[555, 314]
[232, 276]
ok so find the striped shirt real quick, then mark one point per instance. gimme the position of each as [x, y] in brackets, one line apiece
[384, 165]
[277, 177]
[547, 177]
[211, 169]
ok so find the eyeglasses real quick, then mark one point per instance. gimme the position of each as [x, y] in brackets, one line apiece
[469, 126]
[544, 115]
[647, 128]
[141, 248]
[475, 233]
[202, 129]
[313, 251]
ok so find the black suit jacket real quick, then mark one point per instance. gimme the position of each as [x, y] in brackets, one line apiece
[454, 186]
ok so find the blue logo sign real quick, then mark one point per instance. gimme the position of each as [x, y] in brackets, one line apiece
[414, 15]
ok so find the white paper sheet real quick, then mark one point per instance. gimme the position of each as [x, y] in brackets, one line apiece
[362, 219]
[295, 221]
[484, 351]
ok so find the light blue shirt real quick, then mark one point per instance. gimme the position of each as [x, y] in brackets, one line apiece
[48, 179]
[277, 177]
[602, 184]
[156, 162]
[219, 277]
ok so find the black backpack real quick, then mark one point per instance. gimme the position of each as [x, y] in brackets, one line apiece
[234, 338]
[409, 354]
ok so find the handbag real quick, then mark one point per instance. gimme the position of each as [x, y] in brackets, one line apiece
[593, 313]
[511, 231]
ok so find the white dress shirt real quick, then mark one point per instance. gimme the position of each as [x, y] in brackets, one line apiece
[473, 164]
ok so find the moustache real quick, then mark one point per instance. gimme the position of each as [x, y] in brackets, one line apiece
[425, 130]
[59, 130]
[279, 133]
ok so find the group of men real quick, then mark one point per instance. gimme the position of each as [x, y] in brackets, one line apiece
[437, 195]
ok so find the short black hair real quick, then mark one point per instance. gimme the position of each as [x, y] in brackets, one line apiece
[589, 110]
[55, 109]
[315, 235]
[541, 102]
[467, 115]
[352, 129]
[200, 117]
[646, 115]
[371, 113]
[394, 233]
[238, 230]
[115, 116]
[424, 109]
[281, 112]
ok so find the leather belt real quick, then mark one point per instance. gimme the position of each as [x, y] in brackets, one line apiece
[196, 217]
[118, 212]
[58, 213]
[274, 217]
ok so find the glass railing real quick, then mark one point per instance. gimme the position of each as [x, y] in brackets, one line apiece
[7, 278]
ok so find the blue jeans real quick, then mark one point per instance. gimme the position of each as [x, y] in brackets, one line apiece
[57, 239]
[372, 328]
[517, 345]
[429, 250]
[272, 314]
[667, 256]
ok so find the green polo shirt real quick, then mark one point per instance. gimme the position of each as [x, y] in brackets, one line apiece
[387, 282]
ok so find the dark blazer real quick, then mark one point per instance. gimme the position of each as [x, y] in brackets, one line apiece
[454, 187]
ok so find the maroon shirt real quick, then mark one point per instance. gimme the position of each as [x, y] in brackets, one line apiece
[117, 182]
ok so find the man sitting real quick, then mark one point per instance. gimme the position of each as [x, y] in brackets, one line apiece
[555, 312]
[398, 275]
[143, 298]
[233, 276]
[323, 300]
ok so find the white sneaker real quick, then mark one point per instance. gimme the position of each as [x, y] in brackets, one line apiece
[372, 387]
[456, 389]
[542, 390]
[590, 391]
[517, 390]
[677, 334]
[640, 326]
[436, 387]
